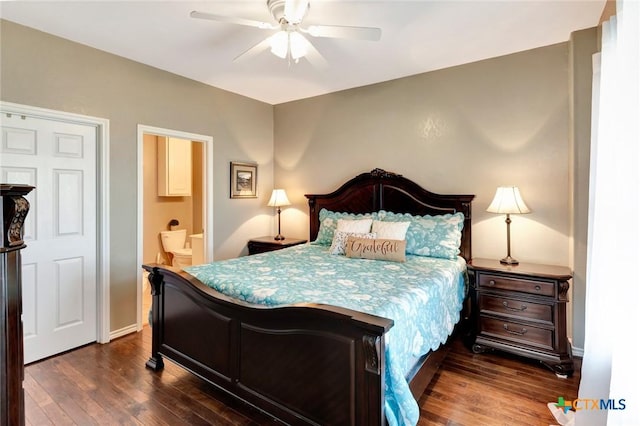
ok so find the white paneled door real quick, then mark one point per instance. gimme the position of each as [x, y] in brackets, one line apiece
[59, 264]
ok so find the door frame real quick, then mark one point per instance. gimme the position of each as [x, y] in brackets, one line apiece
[207, 197]
[103, 284]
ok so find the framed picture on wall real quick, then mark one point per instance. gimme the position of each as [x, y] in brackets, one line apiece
[244, 180]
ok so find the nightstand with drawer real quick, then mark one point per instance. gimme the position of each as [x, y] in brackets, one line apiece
[264, 244]
[522, 309]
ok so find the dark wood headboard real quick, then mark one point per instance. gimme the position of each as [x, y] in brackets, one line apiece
[382, 190]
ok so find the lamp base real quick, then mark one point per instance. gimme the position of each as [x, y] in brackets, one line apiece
[509, 261]
[279, 237]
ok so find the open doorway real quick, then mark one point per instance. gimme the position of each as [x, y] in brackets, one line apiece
[190, 212]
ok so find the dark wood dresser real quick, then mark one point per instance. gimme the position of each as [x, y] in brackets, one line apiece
[522, 309]
[263, 244]
[14, 211]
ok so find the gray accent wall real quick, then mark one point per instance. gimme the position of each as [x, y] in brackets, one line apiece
[466, 130]
[42, 70]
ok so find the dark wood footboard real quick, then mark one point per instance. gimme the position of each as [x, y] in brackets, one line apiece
[301, 364]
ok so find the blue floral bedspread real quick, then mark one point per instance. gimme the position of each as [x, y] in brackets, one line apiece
[423, 296]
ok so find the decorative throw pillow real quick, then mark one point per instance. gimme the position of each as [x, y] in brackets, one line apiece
[360, 226]
[329, 222]
[434, 236]
[376, 249]
[390, 230]
[340, 240]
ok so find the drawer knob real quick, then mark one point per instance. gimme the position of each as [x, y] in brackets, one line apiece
[492, 282]
[538, 288]
[520, 332]
[520, 309]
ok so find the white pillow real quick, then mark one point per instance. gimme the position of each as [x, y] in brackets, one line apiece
[340, 240]
[361, 226]
[390, 230]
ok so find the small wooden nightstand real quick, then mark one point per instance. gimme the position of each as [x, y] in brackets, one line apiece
[522, 309]
[263, 244]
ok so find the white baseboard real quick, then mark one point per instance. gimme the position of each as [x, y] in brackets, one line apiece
[123, 331]
[575, 351]
[579, 352]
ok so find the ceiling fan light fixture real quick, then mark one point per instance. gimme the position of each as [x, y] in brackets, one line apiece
[280, 44]
[288, 44]
[291, 42]
[297, 45]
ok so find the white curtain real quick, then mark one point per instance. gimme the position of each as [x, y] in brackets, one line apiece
[610, 365]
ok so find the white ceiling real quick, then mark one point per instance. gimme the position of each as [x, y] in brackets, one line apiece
[417, 36]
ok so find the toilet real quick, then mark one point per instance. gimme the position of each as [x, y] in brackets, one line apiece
[173, 243]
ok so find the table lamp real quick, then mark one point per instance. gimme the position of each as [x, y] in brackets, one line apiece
[278, 199]
[508, 201]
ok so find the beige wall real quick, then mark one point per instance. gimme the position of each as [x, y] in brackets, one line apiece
[608, 11]
[466, 129]
[41, 70]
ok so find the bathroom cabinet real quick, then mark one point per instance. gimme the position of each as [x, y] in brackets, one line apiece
[174, 167]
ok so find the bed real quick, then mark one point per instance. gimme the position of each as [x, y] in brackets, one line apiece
[301, 363]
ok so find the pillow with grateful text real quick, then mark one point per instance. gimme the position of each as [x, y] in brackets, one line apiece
[340, 240]
[376, 249]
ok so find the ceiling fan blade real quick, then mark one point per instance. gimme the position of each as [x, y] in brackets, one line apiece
[339, 31]
[232, 20]
[295, 10]
[254, 50]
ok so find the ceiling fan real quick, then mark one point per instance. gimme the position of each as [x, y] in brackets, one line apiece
[290, 41]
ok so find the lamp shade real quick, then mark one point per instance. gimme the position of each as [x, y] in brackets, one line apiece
[278, 198]
[508, 200]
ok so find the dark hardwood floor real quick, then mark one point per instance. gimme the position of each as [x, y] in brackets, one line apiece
[109, 384]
